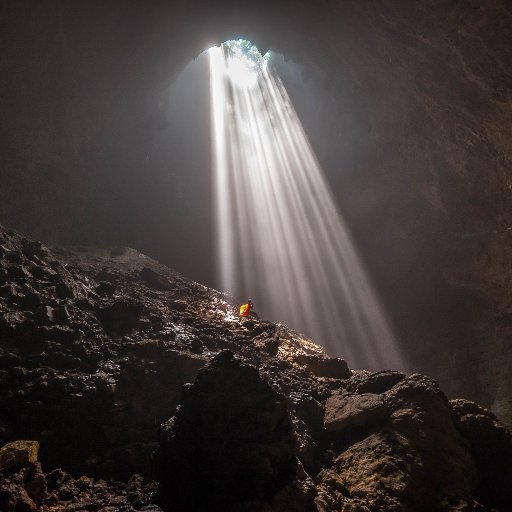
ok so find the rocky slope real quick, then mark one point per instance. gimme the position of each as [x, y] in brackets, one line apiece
[146, 388]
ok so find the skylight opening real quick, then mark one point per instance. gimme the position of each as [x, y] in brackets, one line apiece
[244, 62]
[248, 53]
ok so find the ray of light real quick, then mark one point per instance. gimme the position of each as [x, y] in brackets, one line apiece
[281, 238]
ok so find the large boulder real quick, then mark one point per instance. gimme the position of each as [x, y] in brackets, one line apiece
[121, 316]
[17, 454]
[323, 366]
[231, 441]
[491, 445]
[348, 411]
[154, 279]
[417, 461]
[379, 382]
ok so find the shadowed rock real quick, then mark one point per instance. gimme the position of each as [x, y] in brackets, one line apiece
[154, 280]
[379, 382]
[321, 366]
[30, 489]
[418, 461]
[491, 445]
[231, 441]
[121, 316]
[342, 412]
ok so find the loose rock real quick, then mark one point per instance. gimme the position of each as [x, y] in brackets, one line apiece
[17, 454]
[342, 412]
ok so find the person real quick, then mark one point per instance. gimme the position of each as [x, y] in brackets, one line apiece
[245, 309]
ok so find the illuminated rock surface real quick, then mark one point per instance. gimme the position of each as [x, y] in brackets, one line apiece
[343, 412]
[94, 373]
[17, 454]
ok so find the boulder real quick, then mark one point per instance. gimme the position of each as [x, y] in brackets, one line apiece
[105, 288]
[61, 314]
[379, 382]
[416, 461]
[348, 411]
[322, 366]
[17, 454]
[491, 446]
[35, 483]
[64, 291]
[30, 301]
[154, 280]
[121, 316]
[33, 248]
[230, 442]
[44, 314]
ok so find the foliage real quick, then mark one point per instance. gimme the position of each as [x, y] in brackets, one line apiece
[248, 52]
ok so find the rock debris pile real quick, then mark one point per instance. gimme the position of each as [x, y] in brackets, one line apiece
[125, 386]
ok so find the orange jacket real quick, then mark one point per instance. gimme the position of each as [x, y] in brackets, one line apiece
[245, 310]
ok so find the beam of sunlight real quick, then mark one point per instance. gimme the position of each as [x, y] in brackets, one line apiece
[281, 239]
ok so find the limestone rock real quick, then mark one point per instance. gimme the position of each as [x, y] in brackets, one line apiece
[35, 483]
[491, 445]
[379, 382]
[322, 366]
[154, 280]
[230, 442]
[17, 454]
[14, 498]
[44, 314]
[179, 305]
[105, 288]
[61, 314]
[418, 460]
[64, 291]
[120, 316]
[342, 412]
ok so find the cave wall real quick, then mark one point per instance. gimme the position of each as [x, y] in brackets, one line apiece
[420, 93]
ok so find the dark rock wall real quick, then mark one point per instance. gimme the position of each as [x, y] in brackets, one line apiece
[420, 91]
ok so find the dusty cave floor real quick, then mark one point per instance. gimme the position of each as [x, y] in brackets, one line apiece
[98, 347]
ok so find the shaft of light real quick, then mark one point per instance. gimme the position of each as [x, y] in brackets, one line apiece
[281, 239]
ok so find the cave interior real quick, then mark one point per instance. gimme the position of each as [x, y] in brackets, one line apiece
[408, 105]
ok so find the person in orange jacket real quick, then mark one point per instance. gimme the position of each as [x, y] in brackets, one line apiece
[245, 309]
